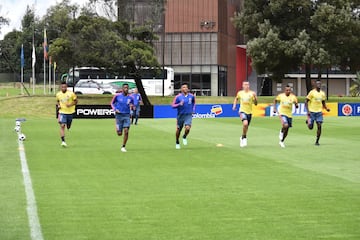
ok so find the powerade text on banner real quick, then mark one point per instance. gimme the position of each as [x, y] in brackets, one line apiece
[105, 111]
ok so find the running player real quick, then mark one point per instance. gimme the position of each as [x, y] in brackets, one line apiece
[184, 102]
[246, 98]
[121, 104]
[315, 102]
[137, 101]
[66, 102]
[286, 99]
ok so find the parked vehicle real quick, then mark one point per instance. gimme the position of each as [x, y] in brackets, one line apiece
[156, 82]
[92, 87]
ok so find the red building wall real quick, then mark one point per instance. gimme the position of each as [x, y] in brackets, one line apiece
[241, 66]
[185, 16]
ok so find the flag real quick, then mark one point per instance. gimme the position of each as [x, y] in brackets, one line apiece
[33, 56]
[22, 60]
[46, 48]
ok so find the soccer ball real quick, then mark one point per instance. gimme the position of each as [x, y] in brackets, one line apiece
[22, 137]
[17, 128]
[17, 123]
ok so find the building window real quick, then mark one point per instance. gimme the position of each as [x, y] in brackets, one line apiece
[199, 84]
[222, 82]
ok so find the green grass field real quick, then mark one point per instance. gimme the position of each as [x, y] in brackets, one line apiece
[91, 190]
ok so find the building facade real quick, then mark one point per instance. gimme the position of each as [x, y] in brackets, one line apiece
[197, 39]
[200, 44]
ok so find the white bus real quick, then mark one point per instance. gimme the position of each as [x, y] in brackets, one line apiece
[156, 83]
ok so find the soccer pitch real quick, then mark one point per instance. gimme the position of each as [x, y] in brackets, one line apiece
[91, 190]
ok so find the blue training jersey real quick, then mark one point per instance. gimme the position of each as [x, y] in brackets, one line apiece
[188, 106]
[137, 98]
[122, 103]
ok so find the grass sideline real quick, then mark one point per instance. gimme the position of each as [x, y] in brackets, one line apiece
[91, 190]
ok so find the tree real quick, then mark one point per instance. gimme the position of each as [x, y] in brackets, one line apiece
[287, 34]
[3, 64]
[3, 20]
[108, 8]
[338, 29]
[133, 53]
[140, 54]
[13, 40]
[135, 50]
[117, 46]
[10, 53]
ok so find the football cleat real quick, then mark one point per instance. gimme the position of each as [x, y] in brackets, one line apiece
[245, 142]
[281, 135]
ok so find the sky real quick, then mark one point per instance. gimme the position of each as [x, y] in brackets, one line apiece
[14, 11]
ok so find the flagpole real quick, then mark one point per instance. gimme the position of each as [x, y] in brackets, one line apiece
[54, 77]
[22, 68]
[49, 74]
[22, 80]
[44, 76]
[33, 55]
[45, 58]
[33, 66]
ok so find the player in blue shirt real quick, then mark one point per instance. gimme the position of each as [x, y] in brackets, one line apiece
[122, 103]
[137, 100]
[184, 102]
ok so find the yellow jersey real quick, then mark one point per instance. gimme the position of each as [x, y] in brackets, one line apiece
[315, 100]
[66, 98]
[246, 101]
[286, 103]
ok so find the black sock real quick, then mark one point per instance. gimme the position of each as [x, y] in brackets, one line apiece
[243, 136]
[63, 139]
[184, 136]
[177, 141]
[123, 145]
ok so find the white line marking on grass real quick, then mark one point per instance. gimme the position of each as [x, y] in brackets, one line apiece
[35, 228]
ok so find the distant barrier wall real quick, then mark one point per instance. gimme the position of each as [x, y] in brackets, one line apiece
[213, 111]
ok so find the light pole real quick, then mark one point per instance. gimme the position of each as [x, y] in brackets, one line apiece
[74, 47]
[163, 50]
[327, 83]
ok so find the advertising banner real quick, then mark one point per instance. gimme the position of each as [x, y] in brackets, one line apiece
[105, 111]
[209, 111]
[349, 109]
[201, 111]
[213, 111]
[301, 110]
[94, 111]
[225, 110]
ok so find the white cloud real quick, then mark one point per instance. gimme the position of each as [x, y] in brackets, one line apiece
[14, 10]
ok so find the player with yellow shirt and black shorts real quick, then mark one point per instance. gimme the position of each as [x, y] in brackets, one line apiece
[314, 104]
[246, 98]
[286, 99]
[66, 102]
